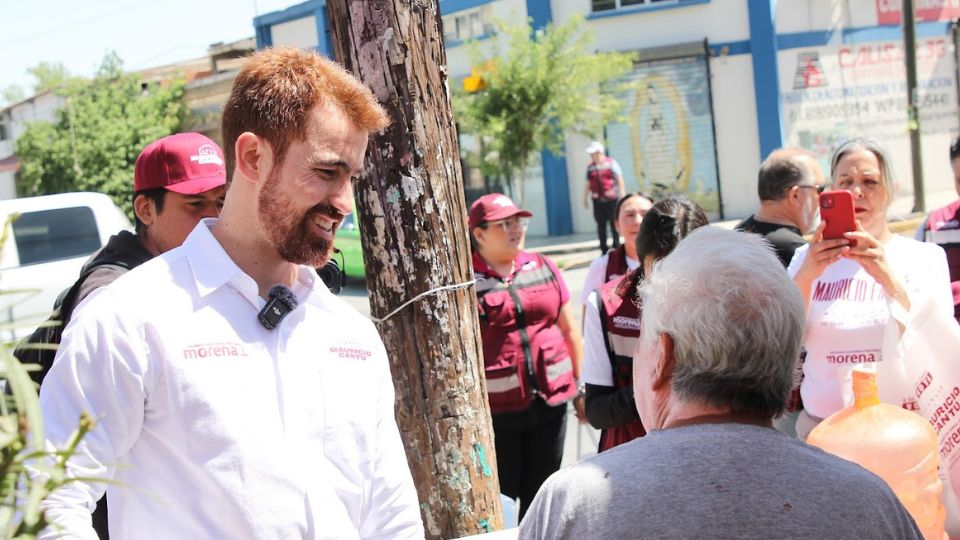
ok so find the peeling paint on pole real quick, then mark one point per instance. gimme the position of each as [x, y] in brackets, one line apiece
[412, 214]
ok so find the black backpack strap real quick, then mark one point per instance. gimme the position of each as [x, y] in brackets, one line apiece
[524, 336]
[69, 298]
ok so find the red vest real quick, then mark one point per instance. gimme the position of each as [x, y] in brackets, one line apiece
[943, 229]
[616, 264]
[620, 320]
[602, 180]
[524, 351]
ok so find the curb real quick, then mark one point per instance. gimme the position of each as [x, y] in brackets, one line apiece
[576, 261]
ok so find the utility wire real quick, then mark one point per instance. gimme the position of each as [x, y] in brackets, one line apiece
[20, 39]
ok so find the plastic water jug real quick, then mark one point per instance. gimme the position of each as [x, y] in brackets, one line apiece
[895, 444]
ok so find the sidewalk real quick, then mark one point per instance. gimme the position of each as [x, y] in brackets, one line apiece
[577, 250]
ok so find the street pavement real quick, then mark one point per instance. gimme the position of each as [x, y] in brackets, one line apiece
[581, 439]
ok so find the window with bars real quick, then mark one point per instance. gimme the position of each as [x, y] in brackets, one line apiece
[608, 5]
[468, 24]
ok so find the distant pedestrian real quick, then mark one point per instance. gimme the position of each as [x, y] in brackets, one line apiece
[531, 346]
[604, 186]
[719, 319]
[942, 227]
[788, 184]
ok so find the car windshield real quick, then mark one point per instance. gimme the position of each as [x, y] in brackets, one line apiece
[51, 235]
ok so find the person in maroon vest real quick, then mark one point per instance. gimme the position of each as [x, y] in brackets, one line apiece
[604, 185]
[531, 346]
[612, 324]
[942, 227]
[630, 210]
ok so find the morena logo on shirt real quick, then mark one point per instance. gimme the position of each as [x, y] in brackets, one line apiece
[214, 350]
[627, 323]
[350, 351]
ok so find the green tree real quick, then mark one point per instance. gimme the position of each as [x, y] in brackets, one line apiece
[12, 94]
[101, 128]
[545, 84]
[49, 75]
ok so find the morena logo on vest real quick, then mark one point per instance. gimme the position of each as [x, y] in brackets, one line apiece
[626, 322]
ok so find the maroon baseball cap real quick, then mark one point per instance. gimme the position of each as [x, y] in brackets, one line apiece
[492, 207]
[185, 163]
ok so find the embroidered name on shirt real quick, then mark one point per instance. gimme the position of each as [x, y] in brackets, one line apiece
[351, 353]
[626, 322]
[214, 350]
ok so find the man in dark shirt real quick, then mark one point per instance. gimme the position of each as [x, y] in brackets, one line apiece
[788, 184]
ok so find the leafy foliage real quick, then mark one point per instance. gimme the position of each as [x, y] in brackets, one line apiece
[29, 470]
[545, 84]
[100, 129]
[49, 76]
[12, 94]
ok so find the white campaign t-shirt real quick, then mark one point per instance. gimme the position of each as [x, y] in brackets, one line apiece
[848, 314]
[596, 272]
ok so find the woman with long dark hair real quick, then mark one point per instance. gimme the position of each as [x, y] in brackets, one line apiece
[612, 323]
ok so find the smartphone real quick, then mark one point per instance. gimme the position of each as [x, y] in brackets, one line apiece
[836, 209]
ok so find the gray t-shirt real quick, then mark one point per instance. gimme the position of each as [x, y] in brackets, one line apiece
[716, 481]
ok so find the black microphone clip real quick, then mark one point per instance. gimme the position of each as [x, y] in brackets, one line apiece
[282, 301]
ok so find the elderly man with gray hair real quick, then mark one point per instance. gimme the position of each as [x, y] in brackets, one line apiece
[721, 329]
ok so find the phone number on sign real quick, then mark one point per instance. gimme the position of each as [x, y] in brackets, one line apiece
[852, 358]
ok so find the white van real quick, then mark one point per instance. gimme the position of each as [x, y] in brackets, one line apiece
[45, 249]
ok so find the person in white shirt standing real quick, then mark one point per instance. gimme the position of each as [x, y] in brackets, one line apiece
[852, 287]
[215, 420]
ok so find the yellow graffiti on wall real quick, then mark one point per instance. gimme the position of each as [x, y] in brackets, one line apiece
[661, 149]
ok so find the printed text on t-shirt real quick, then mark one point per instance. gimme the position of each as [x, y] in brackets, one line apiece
[855, 290]
[853, 357]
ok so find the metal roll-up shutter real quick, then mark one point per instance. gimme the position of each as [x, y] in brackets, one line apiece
[665, 143]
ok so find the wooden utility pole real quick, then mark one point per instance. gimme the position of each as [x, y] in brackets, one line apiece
[412, 214]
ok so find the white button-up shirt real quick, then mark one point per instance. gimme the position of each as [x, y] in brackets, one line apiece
[213, 426]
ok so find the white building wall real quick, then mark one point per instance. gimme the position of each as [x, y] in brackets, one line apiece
[867, 64]
[42, 107]
[738, 141]
[717, 21]
[734, 113]
[298, 32]
[731, 79]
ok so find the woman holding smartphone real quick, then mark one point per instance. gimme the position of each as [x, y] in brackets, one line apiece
[852, 286]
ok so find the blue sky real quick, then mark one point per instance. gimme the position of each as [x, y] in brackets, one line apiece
[145, 33]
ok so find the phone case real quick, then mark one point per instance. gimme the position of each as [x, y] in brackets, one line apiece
[836, 209]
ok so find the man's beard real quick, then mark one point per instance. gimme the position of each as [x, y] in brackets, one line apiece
[294, 238]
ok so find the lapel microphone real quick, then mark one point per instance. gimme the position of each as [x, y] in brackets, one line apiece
[282, 301]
